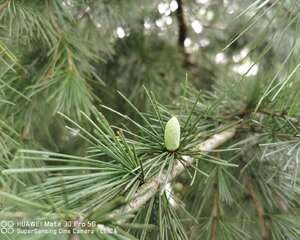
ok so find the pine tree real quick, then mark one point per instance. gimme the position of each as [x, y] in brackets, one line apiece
[87, 88]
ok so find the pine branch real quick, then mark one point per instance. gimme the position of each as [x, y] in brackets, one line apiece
[150, 188]
[259, 208]
[182, 32]
[215, 212]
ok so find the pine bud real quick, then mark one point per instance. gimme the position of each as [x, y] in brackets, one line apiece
[172, 134]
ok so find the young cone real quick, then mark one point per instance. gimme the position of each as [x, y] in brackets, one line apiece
[172, 134]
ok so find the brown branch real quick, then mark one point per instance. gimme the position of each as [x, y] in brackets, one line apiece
[182, 32]
[215, 212]
[249, 111]
[259, 208]
[246, 112]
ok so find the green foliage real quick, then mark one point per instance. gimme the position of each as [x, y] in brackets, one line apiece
[86, 91]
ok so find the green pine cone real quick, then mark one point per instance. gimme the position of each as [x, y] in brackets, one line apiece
[172, 134]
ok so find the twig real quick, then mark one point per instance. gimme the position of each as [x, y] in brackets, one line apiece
[215, 212]
[259, 208]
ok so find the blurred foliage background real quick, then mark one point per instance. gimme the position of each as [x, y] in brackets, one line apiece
[72, 56]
